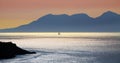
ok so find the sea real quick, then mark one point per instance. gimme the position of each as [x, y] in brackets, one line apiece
[65, 47]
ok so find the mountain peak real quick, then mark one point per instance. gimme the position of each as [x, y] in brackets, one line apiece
[107, 22]
[82, 14]
[57, 15]
[110, 13]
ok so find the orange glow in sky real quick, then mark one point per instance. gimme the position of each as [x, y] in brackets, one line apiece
[14, 13]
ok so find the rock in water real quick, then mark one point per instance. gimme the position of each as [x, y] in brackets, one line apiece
[10, 50]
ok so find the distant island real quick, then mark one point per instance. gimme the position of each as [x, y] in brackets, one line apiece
[107, 22]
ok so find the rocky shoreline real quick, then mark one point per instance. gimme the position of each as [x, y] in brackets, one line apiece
[10, 50]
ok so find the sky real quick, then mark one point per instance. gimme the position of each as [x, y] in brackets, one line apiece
[14, 13]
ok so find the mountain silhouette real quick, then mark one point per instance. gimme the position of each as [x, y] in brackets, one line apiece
[107, 22]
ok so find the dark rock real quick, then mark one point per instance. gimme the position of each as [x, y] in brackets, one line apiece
[10, 50]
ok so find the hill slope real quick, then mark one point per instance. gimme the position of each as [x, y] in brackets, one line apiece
[108, 22]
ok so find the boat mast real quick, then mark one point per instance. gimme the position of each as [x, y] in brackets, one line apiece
[58, 33]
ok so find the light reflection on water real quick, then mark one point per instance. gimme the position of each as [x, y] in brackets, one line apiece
[67, 48]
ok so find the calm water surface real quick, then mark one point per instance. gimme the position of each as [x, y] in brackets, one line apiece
[65, 48]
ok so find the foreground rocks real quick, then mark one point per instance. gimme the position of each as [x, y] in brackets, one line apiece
[10, 50]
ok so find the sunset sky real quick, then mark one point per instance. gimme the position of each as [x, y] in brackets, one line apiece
[14, 13]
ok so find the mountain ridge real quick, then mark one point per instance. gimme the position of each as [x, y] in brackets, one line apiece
[107, 22]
